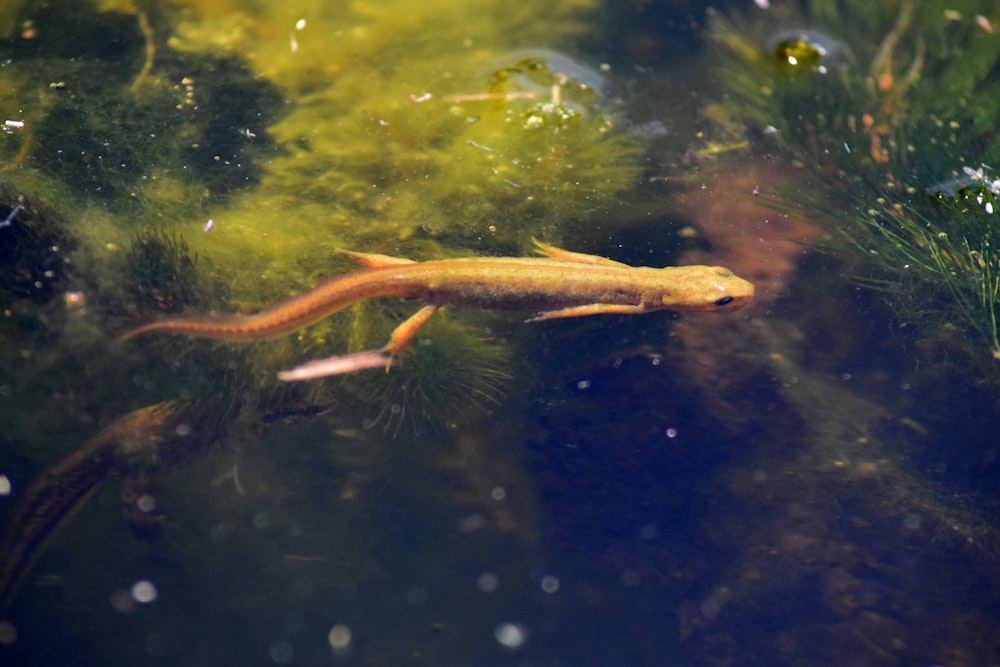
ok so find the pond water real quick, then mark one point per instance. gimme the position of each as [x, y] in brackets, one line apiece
[808, 480]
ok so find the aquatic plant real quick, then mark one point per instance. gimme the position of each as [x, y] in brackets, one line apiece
[952, 250]
[900, 105]
[161, 273]
[452, 374]
[402, 130]
[79, 116]
[423, 131]
[33, 248]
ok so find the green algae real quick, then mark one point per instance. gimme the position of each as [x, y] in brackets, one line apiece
[453, 376]
[901, 100]
[162, 273]
[261, 138]
[384, 144]
[91, 127]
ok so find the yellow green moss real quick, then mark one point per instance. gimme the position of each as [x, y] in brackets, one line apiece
[266, 136]
[375, 150]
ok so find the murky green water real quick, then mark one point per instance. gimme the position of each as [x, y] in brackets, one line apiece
[807, 481]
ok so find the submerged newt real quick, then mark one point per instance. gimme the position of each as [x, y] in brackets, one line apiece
[560, 284]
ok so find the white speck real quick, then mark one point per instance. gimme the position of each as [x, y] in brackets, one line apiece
[550, 583]
[339, 638]
[498, 493]
[143, 591]
[487, 582]
[16, 124]
[511, 635]
[4, 485]
[210, 225]
[300, 24]
[671, 432]
[146, 503]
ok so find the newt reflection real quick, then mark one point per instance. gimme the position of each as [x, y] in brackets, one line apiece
[560, 284]
[142, 441]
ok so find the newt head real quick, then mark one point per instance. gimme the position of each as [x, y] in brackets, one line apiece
[703, 288]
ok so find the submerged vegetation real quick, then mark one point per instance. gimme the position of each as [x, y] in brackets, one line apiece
[408, 135]
[268, 135]
[899, 105]
[90, 119]
[455, 375]
[161, 273]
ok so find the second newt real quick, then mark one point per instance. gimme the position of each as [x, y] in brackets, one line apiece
[560, 284]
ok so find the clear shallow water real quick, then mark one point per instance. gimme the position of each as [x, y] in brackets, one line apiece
[802, 483]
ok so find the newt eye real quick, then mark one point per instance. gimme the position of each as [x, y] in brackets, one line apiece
[724, 301]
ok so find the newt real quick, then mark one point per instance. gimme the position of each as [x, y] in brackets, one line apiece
[560, 284]
[138, 443]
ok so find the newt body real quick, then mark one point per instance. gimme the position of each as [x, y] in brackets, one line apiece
[561, 284]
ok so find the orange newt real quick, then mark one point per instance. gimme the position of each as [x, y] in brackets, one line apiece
[560, 284]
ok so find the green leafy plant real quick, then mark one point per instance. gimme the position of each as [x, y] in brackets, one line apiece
[895, 116]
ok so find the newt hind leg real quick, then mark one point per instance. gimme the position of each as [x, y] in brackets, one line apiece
[400, 339]
[403, 335]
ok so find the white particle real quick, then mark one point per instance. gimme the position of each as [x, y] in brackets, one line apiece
[143, 591]
[146, 503]
[511, 635]
[487, 582]
[339, 637]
